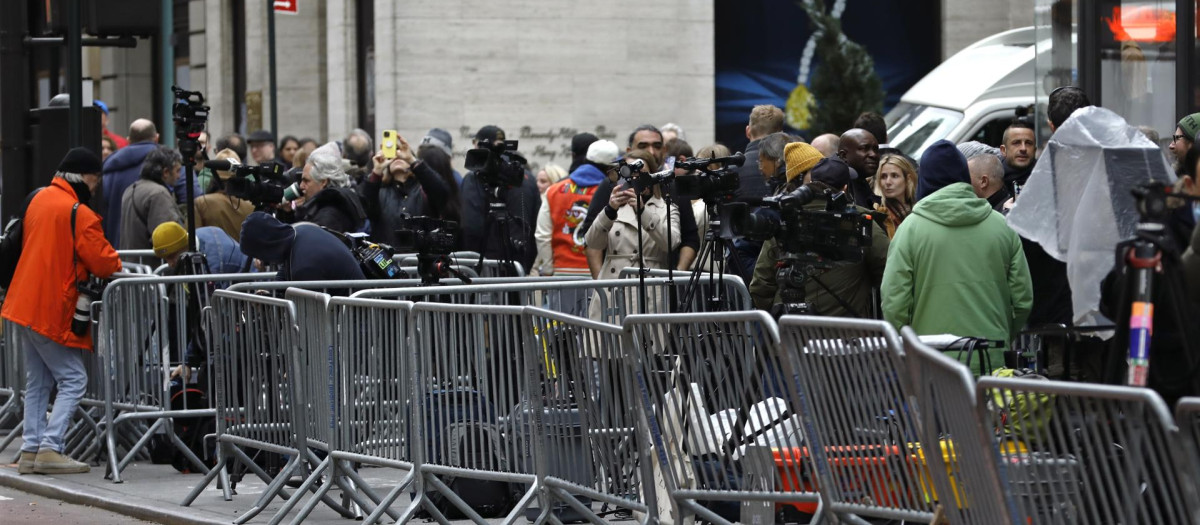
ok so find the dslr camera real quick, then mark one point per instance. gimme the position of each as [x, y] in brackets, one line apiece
[497, 165]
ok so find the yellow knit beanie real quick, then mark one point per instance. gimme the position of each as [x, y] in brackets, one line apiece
[800, 157]
[169, 238]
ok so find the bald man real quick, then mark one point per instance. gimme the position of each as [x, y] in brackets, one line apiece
[860, 150]
[827, 144]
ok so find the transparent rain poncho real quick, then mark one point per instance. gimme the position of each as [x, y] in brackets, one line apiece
[1078, 203]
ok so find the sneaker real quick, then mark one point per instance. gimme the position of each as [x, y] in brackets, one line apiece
[25, 466]
[51, 462]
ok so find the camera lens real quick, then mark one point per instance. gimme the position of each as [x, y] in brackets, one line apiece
[83, 314]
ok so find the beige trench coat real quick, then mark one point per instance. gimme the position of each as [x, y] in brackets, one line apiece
[618, 238]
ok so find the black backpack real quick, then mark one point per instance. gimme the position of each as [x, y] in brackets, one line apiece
[11, 243]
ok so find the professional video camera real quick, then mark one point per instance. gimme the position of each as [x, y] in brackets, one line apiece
[713, 185]
[810, 241]
[190, 115]
[631, 172]
[497, 165]
[265, 189]
[374, 258]
[433, 240]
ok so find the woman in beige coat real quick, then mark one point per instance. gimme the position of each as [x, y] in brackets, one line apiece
[615, 230]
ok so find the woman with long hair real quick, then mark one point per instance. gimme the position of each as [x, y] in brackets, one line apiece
[217, 208]
[896, 185]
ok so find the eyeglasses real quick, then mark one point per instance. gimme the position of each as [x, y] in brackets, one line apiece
[1177, 138]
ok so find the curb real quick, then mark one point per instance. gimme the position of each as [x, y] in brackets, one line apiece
[47, 488]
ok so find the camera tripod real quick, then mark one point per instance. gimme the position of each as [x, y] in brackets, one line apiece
[718, 246]
[1154, 261]
[498, 215]
[796, 270]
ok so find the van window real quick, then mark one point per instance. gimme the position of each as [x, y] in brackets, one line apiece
[992, 133]
[915, 127]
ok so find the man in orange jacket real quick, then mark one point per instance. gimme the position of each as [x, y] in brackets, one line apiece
[41, 301]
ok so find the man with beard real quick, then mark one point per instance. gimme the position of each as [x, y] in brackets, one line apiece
[1018, 148]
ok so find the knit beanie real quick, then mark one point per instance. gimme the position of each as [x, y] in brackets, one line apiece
[833, 172]
[169, 238]
[799, 158]
[80, 160]
[266, 239]
[941, 165]
[1190, 125]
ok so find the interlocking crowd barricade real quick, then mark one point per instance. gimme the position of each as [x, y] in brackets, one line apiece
[854, 391]
[12, 385]
[254, 364]
[1088, 453]
[716, 397]
[592, 451]
[354, 379]
[468, 261]
[954, 440]
[1187, 417]
[470, 391]
[144, 330]
[139, 259]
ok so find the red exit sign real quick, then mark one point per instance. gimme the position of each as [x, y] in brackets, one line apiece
[287, 6]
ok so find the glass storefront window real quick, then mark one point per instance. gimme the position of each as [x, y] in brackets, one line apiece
[1137, 62]
[1056, 34]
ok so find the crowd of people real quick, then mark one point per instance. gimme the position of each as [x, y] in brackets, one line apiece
[942, 258]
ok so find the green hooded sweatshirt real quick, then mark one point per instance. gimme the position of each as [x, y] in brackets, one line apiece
[955, 267]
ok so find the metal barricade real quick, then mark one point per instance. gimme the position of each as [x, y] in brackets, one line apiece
[716, 396]
[490, 267]
[854, 391]
[140, 257]
[255, 379]
[955, 443]
[1088, 453]
[144, 329]
[1187, 418]
[607, 301]
[592, 449]
[330, 346]
[469, 394]
[277, 288]
[12, 384]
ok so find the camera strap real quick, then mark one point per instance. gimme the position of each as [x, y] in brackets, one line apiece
[74, 253]
[837, 297]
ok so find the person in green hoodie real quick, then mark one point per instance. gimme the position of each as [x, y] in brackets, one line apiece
[954, 266]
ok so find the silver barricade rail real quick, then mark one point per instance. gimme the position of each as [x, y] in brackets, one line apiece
[277, 288]
[470, 393]
[12, 384]
[591, 447]
[141, 257]
[137, 348]
[955, 443]
[490, 268]
[1088, 453]
[334, 338]
[255, 378]
[1187, 417]
[716, 398]
[854, 390]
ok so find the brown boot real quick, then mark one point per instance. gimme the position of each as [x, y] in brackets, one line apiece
[51, 462]
[25, 466]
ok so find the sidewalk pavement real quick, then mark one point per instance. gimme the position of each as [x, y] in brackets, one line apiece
[153, 493]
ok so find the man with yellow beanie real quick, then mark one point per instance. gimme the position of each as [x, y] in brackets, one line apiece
[221, 252]
[841, 291]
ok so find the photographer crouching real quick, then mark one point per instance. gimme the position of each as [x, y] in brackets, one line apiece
[822, 253]
[303, 251]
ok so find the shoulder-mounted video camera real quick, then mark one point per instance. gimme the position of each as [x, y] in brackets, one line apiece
[716, 180]
[190, 115]
[839, 233]
[497, 165]
[262, 185]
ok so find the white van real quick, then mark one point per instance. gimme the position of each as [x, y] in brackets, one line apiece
[971, 96]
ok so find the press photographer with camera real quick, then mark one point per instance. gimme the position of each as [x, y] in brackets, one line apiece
[616, 230]
[303, 251]
[842, 290]
[217, 207]
[329, 200]
[497, 181]
[408, 186]
[62, 245]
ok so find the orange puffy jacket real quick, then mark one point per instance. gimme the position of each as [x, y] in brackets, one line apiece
[43, 291]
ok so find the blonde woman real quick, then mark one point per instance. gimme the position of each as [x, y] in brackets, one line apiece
[896, 185]
[549, 175]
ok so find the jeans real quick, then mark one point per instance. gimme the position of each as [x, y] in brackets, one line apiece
[47, 364]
